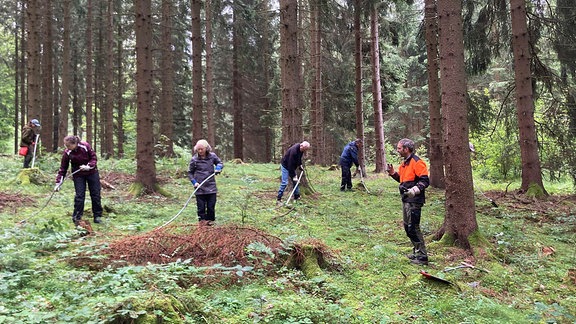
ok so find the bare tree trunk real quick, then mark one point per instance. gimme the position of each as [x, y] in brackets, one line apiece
[531, 169]
[434, 102]
[167, 73]
[66, 64]
[377, 93]
[89, 74]
[460, 220]
[236, 90]
[119, 94]
[289, 74]
[145, 167]
[108, 123]
[317, 110]
[47, 77]
[197, 114]
[210, 113]
[358, 82]
[33, 53]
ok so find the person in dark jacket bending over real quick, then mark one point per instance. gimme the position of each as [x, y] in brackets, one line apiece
[349, 156]
[83, 159]
[291, 160]
[413, 177]
[28, 140]
[204, 164]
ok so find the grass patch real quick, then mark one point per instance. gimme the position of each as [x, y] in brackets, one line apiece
[527, 247]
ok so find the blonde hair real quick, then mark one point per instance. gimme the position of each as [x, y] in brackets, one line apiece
[202, 143]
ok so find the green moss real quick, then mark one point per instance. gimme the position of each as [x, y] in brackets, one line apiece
[535, 191]
[310, 266]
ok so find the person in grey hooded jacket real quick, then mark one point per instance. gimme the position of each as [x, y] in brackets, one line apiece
[203, 164]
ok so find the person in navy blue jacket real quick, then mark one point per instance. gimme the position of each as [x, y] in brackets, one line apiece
[349, 156]
[83, 159]
[291, 160]
[203, 164]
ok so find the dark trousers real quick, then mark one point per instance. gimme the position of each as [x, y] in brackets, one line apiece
[93, 182]
[346, 176]
[411, 217]
[206, 205]
[28, 157]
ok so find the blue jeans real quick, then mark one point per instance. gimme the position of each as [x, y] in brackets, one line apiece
[284, 183]
[93, 181]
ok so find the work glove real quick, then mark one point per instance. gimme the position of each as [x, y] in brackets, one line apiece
[85, 168]
[295, 179]
[390, 169]
[57, 187]
[196, 185]
[413, 192]
[217, 171]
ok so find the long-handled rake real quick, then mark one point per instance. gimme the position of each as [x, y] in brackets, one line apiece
[362, 181]
[185, 204]
[35, 145]
[295, 186]
[51, 195]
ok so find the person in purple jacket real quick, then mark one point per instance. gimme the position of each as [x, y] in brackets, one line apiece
[83, 159]
[203, 166]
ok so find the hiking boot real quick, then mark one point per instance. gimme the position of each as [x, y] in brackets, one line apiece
[411, 256]
[97, 219]
[420, 261]
[296, 197]
[342, 188]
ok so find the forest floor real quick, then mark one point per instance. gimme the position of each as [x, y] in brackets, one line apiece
[333, 257]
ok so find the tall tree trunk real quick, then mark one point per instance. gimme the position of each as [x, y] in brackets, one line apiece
[120, 91]
[167, 73]
[236, 89]
[145, 167]
[358, 81]
[289, 74]
[197, 114]
[531, 170]
[377, 93]
[89, 74]
[460, 220]
[434, 102]
[33, 54]
[17, 68]
[317, 110]
[108, 114]
[23, 69]
[210, 113]
[47, 79]
[66, 64]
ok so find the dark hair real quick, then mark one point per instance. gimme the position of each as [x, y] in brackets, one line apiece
[72, 139]
[407, 143]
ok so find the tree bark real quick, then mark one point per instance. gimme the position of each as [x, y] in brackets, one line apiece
[47, 114]
[358, 82]
[197, 132]
[145, 167]
[377, 93]
[167, 75]
[434, 102]
[531, 170]
[107, 122]
[66, 76]
[236, 89]
[210, 110]
[89, 74]
[460, 220]
[289, 74]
